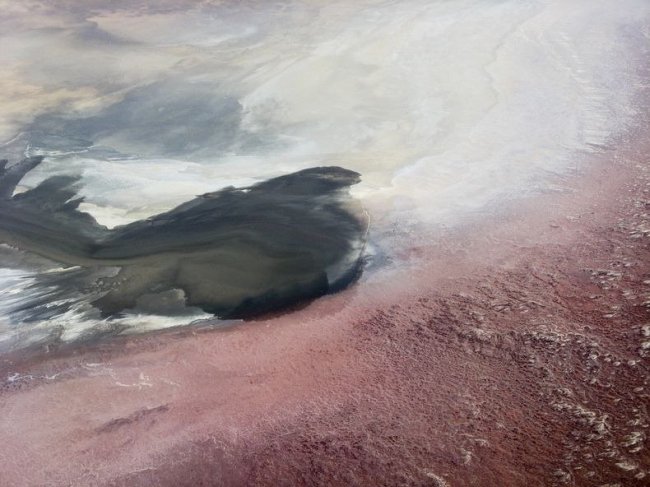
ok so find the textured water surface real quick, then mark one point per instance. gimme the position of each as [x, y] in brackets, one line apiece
[446, 109]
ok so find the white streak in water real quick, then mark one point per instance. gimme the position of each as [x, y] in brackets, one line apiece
[444, 107]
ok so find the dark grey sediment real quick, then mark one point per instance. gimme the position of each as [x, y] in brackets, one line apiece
[236, 252]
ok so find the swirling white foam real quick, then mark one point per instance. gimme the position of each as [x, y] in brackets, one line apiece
[444, 107]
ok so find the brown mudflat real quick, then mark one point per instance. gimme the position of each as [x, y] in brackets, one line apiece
[511, 352]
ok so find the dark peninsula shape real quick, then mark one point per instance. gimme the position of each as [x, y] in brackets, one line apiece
[237, 252]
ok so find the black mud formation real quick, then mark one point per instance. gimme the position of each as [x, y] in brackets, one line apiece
[237, 252]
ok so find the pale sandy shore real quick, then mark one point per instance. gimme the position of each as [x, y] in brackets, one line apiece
[513, 351]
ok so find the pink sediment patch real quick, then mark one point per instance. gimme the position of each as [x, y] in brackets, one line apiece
[511, 352]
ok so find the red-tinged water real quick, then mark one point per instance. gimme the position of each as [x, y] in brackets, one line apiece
[509, 348]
